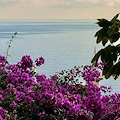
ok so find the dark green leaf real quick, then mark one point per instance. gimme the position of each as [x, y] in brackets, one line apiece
[114, 37]
[110, 72]
[103, 56]
[115, 17]
[101, 34]
[99, 39]
[96, 57]
[104, 41]
[103, 22]
[106, 69]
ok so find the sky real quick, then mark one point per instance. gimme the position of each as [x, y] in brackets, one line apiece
[58, 9]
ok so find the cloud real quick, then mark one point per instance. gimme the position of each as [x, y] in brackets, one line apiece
[104, 2]
[112, 2]
[47, 3]
[36, 3]
[91, 1]
[58, 9]
[4, 3]
[61, 3]
[11, 0]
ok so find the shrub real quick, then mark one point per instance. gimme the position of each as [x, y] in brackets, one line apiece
[24, 97]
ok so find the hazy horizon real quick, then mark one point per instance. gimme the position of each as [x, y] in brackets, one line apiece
[58, 9]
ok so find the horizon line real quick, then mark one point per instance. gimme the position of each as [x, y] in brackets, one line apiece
[51, 19]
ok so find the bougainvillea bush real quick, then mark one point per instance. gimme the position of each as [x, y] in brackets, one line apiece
[25, 95]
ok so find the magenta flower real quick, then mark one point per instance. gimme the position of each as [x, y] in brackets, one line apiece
[1, 97]
[14, 104]
[54, 77]
[33, 97]
[19, 96]
[41, 114]
[28, 98]
[39, 61]
[3, 60]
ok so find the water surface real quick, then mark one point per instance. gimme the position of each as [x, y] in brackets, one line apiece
[63, 43]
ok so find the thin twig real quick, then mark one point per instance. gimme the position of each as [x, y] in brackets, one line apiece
[7, 53]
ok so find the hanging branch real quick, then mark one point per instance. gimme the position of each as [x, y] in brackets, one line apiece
[109, 54]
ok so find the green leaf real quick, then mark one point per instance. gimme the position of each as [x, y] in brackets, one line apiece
[115, 17]
[103, 56]
[114, 37]
[103, 22]
[106, 69]
[114, 71]
[101, 34]
[96, 57]
[117, 65]
[113, 29]
[116, 77]
[110, 71]
[104, 41]
[114, 57]
[98, 33]
[109, 55]
[99, 39]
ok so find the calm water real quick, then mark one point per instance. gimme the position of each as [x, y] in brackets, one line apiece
[63, 43]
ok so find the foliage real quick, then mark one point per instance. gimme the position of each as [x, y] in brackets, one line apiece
[109, 33]
[24, 97]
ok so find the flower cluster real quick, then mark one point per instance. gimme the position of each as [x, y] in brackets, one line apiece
[39, 61]
[90, 73]
[23, 96]
[26, 62]
[100, 65]
[2, 60]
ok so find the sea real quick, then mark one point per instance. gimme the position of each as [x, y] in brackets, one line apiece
[63, 43]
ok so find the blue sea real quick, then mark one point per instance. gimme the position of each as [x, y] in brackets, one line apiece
[62, 43]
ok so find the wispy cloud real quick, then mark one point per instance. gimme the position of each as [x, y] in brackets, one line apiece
[58, 9]
[91, 1]
[47, 3]
[11, 0]
[4, 3]
[112, 2]
[104, 2]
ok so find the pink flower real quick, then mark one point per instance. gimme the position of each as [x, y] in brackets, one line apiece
[1, 97]
[14, 104]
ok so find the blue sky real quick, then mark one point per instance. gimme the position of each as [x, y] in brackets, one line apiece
[58, 9]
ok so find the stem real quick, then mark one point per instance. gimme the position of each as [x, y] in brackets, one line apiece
[8, 49]
[7, 53]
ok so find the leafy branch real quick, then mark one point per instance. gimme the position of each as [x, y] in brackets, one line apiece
[110, 54]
